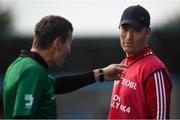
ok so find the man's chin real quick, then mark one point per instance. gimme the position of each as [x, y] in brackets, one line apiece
[128, 50]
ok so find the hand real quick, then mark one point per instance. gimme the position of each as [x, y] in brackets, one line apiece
[111, 72]
[114, 71]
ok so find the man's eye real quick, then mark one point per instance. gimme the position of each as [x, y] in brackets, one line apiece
[125, 28]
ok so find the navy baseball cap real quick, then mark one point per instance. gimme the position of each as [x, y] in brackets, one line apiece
[137, 16]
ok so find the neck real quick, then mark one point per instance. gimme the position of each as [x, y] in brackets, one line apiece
[136, 51]
[45, 54]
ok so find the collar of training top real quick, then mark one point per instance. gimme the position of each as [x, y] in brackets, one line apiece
[145, 52]
[35, 56]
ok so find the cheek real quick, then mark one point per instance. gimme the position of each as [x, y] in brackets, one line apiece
[59, 59]
[122, 37]
[59, 54]
[62, 54]
[139, 40]
[122, 40]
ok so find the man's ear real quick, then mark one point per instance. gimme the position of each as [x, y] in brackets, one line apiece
[57, 43]
[148, 32]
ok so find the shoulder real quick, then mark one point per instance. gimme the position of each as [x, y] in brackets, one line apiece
[152, 61]
[26, 65]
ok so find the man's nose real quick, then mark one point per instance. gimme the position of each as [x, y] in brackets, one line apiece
[129, 35]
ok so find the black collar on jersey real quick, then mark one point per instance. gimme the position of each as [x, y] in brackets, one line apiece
[35, 56]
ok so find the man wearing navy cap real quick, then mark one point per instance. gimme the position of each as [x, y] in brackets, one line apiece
[144, 89]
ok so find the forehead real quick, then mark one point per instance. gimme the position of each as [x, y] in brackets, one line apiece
[127, 27]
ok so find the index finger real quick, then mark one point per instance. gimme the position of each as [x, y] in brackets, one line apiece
[122, 65]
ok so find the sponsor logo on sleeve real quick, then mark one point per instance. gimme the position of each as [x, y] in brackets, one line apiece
[28, 100]
[53, 97]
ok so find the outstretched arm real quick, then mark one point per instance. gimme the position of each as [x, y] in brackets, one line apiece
[67, 84]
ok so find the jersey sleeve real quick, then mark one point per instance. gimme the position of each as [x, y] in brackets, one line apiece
[66, 84]
[28, 93]
[157, 91]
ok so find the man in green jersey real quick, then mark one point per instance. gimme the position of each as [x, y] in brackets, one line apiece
[28, 90]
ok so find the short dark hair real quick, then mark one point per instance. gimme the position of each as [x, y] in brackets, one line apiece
[50, 27]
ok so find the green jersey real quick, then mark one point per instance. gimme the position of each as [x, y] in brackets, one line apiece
[28, 90]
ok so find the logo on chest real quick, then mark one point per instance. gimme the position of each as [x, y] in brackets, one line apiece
[127, 83]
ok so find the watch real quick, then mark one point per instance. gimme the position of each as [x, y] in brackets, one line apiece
[101, 75]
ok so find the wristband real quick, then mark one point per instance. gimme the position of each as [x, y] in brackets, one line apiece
[101, 75]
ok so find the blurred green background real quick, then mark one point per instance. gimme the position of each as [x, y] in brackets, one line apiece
[89, 52]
